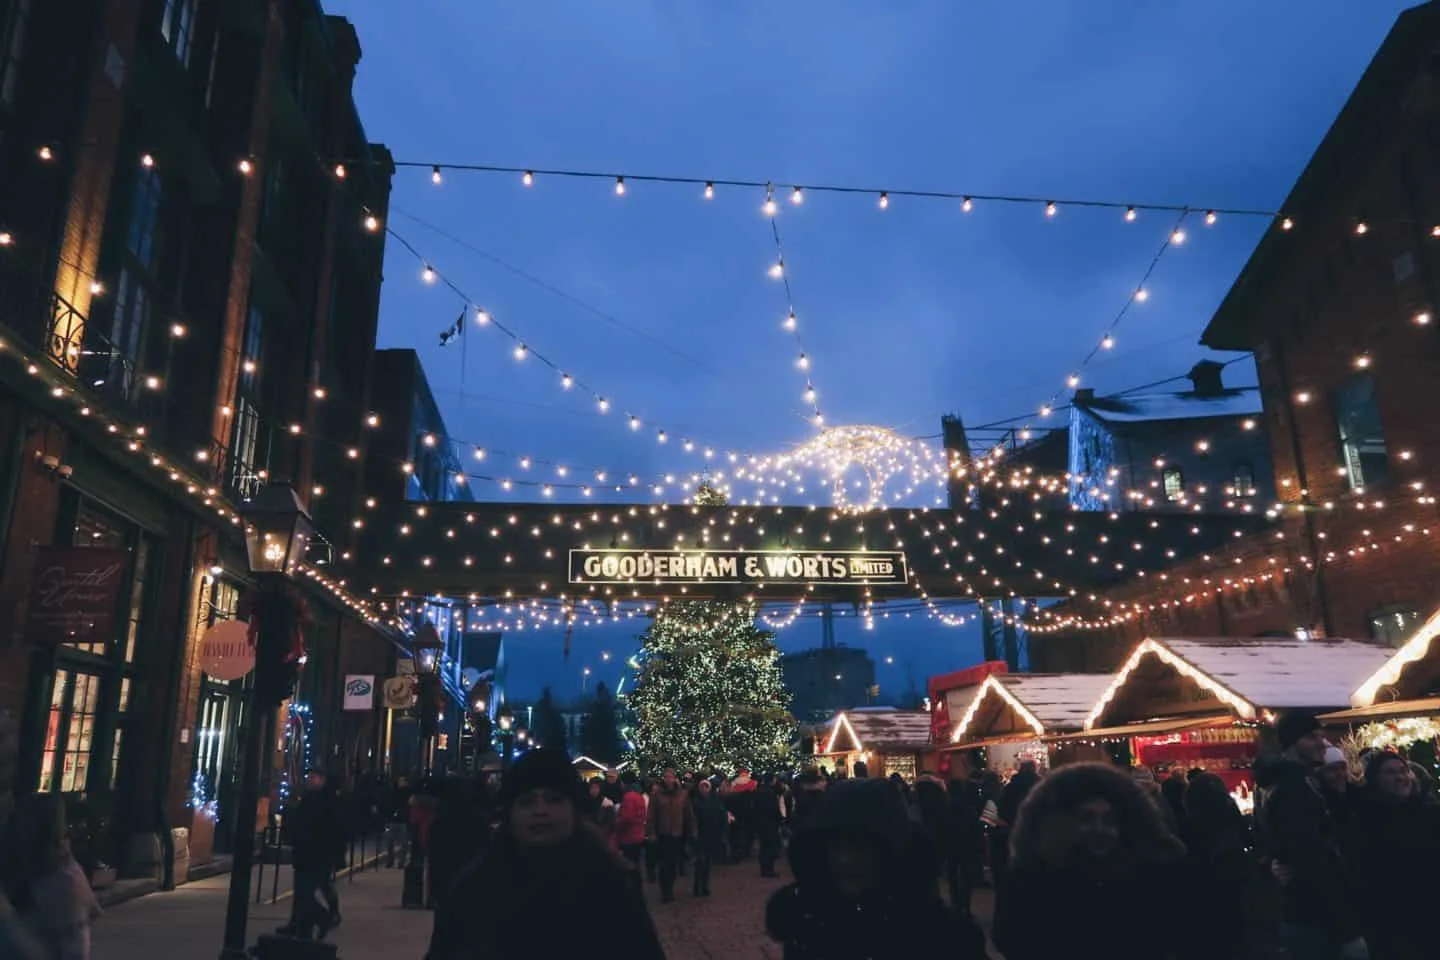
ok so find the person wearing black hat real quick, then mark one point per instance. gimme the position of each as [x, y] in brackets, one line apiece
[1300, 838]
[546, 877]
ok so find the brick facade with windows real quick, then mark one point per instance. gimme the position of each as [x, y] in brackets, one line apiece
[1342, 313]
[180, 257]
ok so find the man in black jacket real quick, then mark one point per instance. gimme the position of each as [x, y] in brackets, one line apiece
[1299, 837]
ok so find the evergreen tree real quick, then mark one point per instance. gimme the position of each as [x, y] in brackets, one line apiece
[709, 691]
[599, 735]
[549, 722]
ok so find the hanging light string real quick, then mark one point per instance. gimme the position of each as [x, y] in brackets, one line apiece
[781, 271]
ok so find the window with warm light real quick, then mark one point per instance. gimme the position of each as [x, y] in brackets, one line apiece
[1244, 485]
[1362, 441]
[1173, 482]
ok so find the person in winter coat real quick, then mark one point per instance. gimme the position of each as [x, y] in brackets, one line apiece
[317, 838]
[1008, 808]
[458, 834]
[766, 815]
[711, 820]
[1091, 847]
[50, 894]
[1392, 844]
[1216, 840]
[545, 879]
[1300, 837]
[630, 827]
[860, 891]
[671, 823]
[965, 866]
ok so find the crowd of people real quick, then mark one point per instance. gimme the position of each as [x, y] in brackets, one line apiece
[1090, 859]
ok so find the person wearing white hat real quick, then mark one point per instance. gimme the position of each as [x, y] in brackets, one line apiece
[1333, 776]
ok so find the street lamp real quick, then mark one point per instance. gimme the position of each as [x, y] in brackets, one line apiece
[425, 649]
[277, 532]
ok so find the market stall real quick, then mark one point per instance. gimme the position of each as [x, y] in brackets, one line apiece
[1182, 704]
[885, 739]
[1009, 714]
[589, 769]
[1398, 705]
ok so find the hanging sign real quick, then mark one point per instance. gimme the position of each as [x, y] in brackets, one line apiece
[399, 693]
[359, 691]
[839, 567]
[73, 594]
[226, 652]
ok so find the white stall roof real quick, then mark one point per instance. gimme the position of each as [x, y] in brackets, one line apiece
[1252, 674]
[1060, 701]
[868, 728]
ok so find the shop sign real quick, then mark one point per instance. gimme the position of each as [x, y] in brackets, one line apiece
[399, 693]
[73, 594]
[757, 567]
[226, 652]
[359, 691]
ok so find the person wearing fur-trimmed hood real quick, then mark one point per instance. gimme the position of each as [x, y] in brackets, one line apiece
[1093, 873]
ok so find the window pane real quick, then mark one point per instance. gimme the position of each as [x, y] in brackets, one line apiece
[1394, 625]
[1244, 480]
[1362, 442]
[52, 730]
[1174, 484]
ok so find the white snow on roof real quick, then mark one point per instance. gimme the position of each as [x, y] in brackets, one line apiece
[1135, 408]
[1415, 649]
[881, 727]
[1280, 673]
[1060, 701]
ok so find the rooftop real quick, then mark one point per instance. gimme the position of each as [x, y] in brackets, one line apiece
[879, 727]
[1156, 407]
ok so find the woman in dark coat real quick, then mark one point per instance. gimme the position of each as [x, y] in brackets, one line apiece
[1216, 837]
[545, 882]
[864, 886]
[711, 822]
[1093, 873]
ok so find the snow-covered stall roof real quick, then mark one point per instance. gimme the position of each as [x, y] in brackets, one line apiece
[1249, 675]
[1139, 408]
[1412, 651]
[870, 728]
[1047, 702]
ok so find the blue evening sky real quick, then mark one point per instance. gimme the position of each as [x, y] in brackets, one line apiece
[661, 301]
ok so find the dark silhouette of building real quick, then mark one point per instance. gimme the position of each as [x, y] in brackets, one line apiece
[827, 679]
[412, 455]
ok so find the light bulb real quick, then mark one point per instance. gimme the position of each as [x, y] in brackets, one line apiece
[769, 206]
[1362, 228]
[1210, 218]
[803, 362]
[1130, 214]
[527, 178]
[797, 196]
[709, 191]
[435, 176]
[428, 274]
[1073, 381]
[371, 222]
[246, 167]
[634, 423]
[604, 405]
[566, 381]
[1050, 208]
[45, 153]
[790, 321]
[479, 453]
[1107, 343]
[96, 288]
[1142, 294]
[619, 186]
[520, 351]
[810, 395]
[1178, 237]
[777, 269]
[1422, 318]
[6, 238]
[661, 436]
[339, 171]
[884, 200]
[967, 205]
[147, 161]
[482, 317]
[1045, 410]
[1287, 224]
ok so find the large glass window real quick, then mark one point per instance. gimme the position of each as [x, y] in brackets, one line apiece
[70, 731]
[1174, 483]
[1394, 624]
[1362, 441]
[177, 27]
[14, 28]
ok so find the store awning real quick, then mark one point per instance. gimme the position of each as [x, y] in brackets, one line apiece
[1149, 728]
[1395, 709]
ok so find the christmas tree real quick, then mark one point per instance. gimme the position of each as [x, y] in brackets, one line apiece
[709, 692]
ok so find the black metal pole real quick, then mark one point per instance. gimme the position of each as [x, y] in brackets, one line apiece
[273, 612]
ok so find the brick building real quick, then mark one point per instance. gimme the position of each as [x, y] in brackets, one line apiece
[189, 288]
[1337, 304]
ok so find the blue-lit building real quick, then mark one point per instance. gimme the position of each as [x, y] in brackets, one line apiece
[411, 453]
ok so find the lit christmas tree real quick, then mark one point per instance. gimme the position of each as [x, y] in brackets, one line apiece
[709, 692]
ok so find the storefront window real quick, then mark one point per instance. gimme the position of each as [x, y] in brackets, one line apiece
[70, 731]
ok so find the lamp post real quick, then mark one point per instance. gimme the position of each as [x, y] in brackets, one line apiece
[277, 532]
[425, 650]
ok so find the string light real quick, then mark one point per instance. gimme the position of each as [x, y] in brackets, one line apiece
[45, 153]
[1210, 218]
[797, 196]
[769, 205]
[967, 204]
[428, 274]
[619, 186]
[709, 191]
[1130, 214]
[527, 178]
[1050, 208]
[147, 161]
[1177, 237]
[371, 222]
[435, 176]
[884, 200]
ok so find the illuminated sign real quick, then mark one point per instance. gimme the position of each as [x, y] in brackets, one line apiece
[876, 567]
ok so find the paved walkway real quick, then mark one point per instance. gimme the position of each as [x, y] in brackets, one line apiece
[188, 923]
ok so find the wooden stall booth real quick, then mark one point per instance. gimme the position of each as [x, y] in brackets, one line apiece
[1199, 703]
[1398, 705]
[885, 739]
[1010, 715]
[588, 768]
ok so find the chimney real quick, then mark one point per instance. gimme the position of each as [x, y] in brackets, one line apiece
[1205, 378]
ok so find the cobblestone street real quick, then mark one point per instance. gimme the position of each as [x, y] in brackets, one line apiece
[186, 924]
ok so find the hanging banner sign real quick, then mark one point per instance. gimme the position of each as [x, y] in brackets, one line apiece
[757, 567]
[399, 693]
[226, 652]
[74, 592]
[359, 691]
